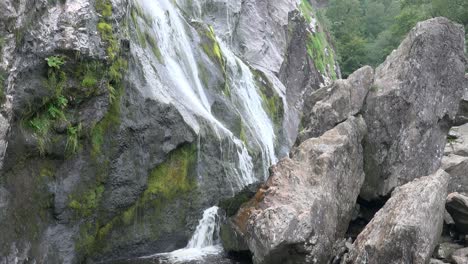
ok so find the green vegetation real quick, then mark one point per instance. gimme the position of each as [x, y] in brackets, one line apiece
[321, 53]
[167, 182]
[366, 31]
[211, 47]
[55, 62]
[272, 102]
[317, 44]
[86, 204]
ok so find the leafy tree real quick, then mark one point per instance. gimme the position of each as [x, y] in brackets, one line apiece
[366, 31]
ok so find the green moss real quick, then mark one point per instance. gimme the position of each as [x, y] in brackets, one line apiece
[137, 12]
[243, 135]
[85, 205]
[211, 47]
[47, 170]
[167, 182]
[272, 102]
[321, 53]
[129, 215]
[154, 46]
[172, 177]
[306, 10]
[317, 44]
[104, 7]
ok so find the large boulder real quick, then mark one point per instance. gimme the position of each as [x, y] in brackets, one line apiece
[411, 106]
[328, 106]
[457, 141]
[455, 160]
[307, 202]
[457, 167]
[407, 228]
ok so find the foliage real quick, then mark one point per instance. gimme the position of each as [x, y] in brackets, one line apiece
[73, 135]
[55, 62]
[366, 31]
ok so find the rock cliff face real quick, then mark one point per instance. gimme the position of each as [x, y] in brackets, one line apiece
[123, 120]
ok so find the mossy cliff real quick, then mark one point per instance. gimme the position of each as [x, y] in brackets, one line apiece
[75, 147]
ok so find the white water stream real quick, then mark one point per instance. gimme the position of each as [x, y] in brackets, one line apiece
[205, 240]
[180, 85]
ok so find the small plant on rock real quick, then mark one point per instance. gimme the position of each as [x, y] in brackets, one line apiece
[55, 62]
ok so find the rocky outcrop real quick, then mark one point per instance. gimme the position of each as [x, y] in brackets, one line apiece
[411, 105]
[407, 228]
[331, 105]
[308, 200]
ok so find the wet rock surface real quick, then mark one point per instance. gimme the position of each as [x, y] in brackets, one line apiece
[407, 228]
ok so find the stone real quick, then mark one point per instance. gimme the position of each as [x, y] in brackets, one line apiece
[308, 201]
[460, 256]
[445, 250]
[457, 143]
[457, 167]
[410, 108]
[331, 105]
[436, 261]
[407, 228]
[462, 115]
[457, 206]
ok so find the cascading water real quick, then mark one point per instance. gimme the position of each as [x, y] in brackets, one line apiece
[182, 87]
[205, 240]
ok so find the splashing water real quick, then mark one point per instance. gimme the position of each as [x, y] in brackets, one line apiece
[204, 242]
[183, 88]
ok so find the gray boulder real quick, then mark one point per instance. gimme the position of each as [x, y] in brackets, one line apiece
[328, 106]
[307, 202]
[445, 250]
[457, 141]
[436, 261]
[457, 167]
[460, 256]
[462, 115]
[411, 106]
[407, 228]
[457, 206]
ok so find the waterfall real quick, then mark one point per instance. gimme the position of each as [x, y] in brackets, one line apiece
[176, 81]
[183, 88]
[207, 231]
[205, 241]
